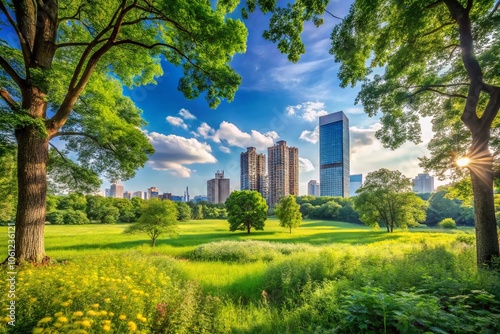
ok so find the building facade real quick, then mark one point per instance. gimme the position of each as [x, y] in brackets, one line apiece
[138, 194]
[356, 180]
[152, 192]
[423, 183]
[253, 171]
[334, 155]
[283, 172]
[116, 190]
[313, 188]
[218, 188]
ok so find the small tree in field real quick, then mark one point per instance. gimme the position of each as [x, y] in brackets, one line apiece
[158, 217]
[246, 209]
[447, 223]
[288, 212]
[386, 196]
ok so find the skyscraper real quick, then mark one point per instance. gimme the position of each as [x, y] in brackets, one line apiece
[313, 188]
[152, 192]
[334, 154]
[423, 183]
[218, 189]
[356, 180]
[283, 168]
[253, 171]
[116, 190]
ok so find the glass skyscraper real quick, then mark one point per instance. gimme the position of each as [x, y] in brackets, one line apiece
[334, 153]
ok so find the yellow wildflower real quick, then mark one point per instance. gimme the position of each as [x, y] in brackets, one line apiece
[106, 322]
[131, 326]
[64, 304]
[44, 320]
[95, 305]
[124, 297]
[111, 314]
[106, 328]
[86, 323]
[91, 313]
[58, 314]
[143, 319]
[122, 317]
[58, 325]
[62, 319]
[37, 330]
[33, 299]
[77, 314]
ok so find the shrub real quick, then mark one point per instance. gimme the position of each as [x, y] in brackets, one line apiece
[447, 223]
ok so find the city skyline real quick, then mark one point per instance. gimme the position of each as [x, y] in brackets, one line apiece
[277, 100]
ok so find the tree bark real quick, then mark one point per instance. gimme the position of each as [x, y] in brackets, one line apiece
[481, 171]
[32, 159]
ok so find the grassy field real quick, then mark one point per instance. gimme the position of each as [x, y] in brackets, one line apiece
[211, 280]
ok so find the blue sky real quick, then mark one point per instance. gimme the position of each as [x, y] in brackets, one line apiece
[277, 100]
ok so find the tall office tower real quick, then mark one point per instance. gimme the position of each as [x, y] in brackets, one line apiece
[127, 195]
[218, 188]
[107, 192]
[334, 154]
[137, 194]
[283, 168]
[356, 180]
[423, 183]
[253, 171]
[116, 190]
[153, 192]
[186, 195]
[313, 188]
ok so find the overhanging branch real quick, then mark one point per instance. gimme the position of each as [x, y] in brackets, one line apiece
[11, 72]
[10, 101]
[108, 146]
[22, 39]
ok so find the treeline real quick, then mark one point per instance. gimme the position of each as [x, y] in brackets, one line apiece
[329, 208]
[77, 208]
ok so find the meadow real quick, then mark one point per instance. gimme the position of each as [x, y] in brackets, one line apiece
[324, 277]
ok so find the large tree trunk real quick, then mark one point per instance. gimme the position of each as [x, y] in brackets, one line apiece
[481, 170]
[32, 159]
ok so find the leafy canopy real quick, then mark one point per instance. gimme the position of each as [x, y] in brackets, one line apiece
[386, 197]
[245, 210]
[288, 212]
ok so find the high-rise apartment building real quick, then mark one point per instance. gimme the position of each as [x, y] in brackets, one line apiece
[218, 188]
[253, 171]
[138, 194]
[313, 188]
[116, 190]
[283, 169]
[356, 180]
[423, 183]
[334, 154]
[152, 192]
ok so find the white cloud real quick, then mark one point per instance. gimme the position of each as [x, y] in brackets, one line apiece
[225, 149]
[205, 130]
[309, 111]
[310, 136]
[231, 134]
[361, 137]
[186, 114]
[173, 152]
[177, 121]
[305, 165]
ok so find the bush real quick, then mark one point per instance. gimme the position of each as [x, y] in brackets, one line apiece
[447, 223]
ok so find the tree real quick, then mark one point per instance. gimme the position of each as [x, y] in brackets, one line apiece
[184, 212]
[386, 196]
[158, 217]
[440, 61]
[64, 80]
[288, 212]
[441, 207]
[245, 210]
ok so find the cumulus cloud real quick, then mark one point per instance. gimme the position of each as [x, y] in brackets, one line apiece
[177, 121]
[309, 111]
[225, 149]
[173, 152]
[186, 114]
[361, 137]
[305, 165]
[310, 136]
[233, 136]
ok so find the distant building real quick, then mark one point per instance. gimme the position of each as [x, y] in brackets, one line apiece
[127, 195]
[138, 194]
[177, 198]
[313, 188]
[218, 188]
[253, 171]
[166, 196]
[356, 180]
[186, 195]
[334, 154]
[107, 192]
[283, 169]
[200, 198]
[116, 190]
[152, 192]
[423, 183]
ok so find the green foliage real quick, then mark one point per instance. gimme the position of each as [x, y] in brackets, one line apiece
[447, 223]
[8, 181]
[158, 218]
[246, 209]
[327, 207]
[184, 212]
[386, 197]
[288, 212]
[440, 207]
[246, 251]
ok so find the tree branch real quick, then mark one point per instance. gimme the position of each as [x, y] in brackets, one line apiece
[437, 29]
[95, 139]
[77, 14]
[66, 161]
[430, 89]
[495, 8]
[22, 39]
[10, 101]
[334, 16]
[434, 4]
[59, 152]
[11, 72]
